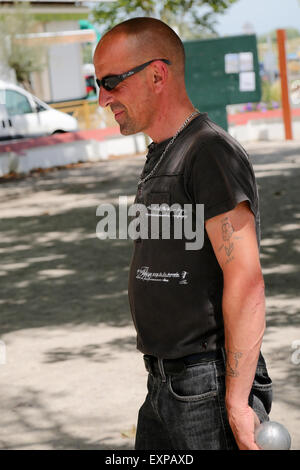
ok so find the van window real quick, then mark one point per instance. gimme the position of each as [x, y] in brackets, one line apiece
[16, 103]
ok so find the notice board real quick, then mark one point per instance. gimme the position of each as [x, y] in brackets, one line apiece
[222, 71]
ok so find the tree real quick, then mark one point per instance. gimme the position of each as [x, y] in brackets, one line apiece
[14, 53]
[190, 18]
[271, 93]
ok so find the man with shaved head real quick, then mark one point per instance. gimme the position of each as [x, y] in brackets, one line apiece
[199, 311]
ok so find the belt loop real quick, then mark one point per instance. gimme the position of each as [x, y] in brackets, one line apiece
[161, 369]
[148, 364]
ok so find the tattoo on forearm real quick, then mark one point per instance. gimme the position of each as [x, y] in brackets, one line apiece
[232, 363]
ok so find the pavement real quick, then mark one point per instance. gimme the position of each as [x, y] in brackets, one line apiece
[71, 377]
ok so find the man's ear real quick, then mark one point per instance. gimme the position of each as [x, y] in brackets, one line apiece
[156, 78]
[159, 76]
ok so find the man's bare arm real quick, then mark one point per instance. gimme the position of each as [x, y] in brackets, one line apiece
[233, 238]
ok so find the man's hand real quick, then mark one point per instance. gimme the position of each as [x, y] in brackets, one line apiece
[243, 422]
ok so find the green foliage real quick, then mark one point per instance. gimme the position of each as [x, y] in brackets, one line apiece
[46, 17]
[87, 53]
[22, 58]
[271, 92]
[191, 18]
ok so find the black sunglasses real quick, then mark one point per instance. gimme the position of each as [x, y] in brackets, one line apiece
[111, 81]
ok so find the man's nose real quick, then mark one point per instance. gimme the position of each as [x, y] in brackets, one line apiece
[105, 97]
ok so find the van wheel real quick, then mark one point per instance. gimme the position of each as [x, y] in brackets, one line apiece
[58, 132]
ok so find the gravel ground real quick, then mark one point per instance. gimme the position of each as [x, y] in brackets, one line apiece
[73, 378]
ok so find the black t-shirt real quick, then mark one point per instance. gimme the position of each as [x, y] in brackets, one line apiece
[175, 294]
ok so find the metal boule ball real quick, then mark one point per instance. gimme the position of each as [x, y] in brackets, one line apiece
[271, 435]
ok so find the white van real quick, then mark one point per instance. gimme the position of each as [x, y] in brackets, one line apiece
[24, 115]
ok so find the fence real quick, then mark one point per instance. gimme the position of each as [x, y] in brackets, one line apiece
[88, 113]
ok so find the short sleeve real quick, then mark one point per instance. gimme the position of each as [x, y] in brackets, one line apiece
[221, 177]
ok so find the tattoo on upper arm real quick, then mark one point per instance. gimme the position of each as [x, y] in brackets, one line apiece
[227, 229]
[232, 363]
[227, 232]
[227, 237]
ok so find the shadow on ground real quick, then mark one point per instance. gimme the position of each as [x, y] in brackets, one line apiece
[278, 173]
[54, 270]
[51, 433]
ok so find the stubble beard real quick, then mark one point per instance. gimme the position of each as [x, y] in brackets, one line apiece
[129, 126]
[140, 123]
[132, 125]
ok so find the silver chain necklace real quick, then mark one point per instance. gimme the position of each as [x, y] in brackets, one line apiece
[142, 180]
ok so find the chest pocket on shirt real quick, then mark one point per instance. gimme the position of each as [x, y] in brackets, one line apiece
[158, 198]
[159, 216]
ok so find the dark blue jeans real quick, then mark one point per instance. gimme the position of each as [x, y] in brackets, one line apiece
[187, 411]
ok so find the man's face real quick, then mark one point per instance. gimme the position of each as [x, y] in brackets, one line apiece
[131, 101]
